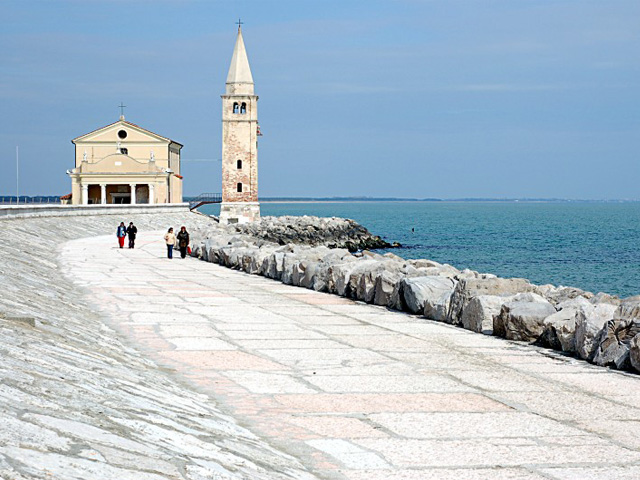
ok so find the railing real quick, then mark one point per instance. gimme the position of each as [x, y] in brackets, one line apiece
[204, 199]
[23, 200]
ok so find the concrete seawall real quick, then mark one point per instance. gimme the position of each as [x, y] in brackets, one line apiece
[37, 210]
[78, 402]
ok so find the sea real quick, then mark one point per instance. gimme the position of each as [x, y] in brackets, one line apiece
[590, 245]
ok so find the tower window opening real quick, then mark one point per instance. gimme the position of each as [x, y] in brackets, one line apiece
[239, 188]
[239, 164]
[235, 107]
[243, 108]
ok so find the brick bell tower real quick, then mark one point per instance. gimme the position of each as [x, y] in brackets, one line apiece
[239, 142]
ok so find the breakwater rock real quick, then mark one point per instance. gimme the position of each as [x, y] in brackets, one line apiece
[331, 232]
[598, 328]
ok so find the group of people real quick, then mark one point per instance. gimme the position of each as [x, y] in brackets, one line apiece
[182, 240]
[130, 231]
[170, 239]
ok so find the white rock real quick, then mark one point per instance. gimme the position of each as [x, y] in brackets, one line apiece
[478, 314]
[522, 318]
[417, 291]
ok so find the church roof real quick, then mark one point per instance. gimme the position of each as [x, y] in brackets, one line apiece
[122, 121]
[239, 71]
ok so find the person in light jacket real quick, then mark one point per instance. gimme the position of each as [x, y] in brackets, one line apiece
[121, 232]
[170, 240]
[183, 241]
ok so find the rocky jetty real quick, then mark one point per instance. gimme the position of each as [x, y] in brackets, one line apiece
[598, 328]
[331, 232]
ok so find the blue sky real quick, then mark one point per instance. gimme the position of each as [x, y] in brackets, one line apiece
[494, 98]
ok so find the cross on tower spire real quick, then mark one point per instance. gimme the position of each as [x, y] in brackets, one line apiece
[239, 23]
[122, 106]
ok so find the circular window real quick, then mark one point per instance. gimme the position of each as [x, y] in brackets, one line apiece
[122, 134]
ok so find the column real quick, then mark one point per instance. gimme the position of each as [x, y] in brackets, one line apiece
[133, 193]
[152, 194]
[85, 194]
[103, 193]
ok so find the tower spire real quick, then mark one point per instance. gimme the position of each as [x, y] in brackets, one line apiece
[239, 79]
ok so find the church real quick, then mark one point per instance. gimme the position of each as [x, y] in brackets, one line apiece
[125, 163]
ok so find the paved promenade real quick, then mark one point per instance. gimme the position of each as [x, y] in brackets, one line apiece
[358, 392]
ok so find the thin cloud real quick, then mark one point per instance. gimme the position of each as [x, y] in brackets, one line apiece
[354, 88]
[507, 87]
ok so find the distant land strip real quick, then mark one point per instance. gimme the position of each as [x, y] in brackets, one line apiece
[8, 199]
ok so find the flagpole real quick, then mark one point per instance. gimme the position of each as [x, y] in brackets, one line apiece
[17, 176]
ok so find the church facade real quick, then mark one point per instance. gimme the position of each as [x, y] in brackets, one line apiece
[124, 163]
[239, 141]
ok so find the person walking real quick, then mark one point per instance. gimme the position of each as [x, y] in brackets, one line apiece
[183, 241]
[132, 230]
[121, 232]
[170, 240]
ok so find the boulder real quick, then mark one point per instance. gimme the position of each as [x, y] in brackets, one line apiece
[629, 309]
[589, 322]
[472, 284]
[289, 265]
[385, 284]
[304, 271]
[605, 298]
[417, 291]
[339, 274]
[436, 305]
[361, 268]
[366, 288]
[321, 278]
[634, 353]
[557, 295]
[522, 318]
[560, 327]
[275, 265]
[249, 260]
[614, 343]
[478, 314]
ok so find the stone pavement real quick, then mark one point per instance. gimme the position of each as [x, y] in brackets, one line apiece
[358, 392]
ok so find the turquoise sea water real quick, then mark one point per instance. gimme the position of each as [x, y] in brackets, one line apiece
[593, 246]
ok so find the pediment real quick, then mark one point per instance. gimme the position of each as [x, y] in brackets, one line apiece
[124, 132]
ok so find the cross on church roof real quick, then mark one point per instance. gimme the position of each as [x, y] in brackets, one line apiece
[239, 23]
[122, 106]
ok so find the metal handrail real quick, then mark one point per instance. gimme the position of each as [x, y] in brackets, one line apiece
[24, 200]
[205, 198]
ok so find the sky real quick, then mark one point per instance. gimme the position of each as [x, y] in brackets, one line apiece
[379, 98]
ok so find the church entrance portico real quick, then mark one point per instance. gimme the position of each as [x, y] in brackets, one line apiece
[130, 193]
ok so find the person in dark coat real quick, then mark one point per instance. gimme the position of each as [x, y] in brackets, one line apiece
[132, 230]
[121, 232]
[183, 241]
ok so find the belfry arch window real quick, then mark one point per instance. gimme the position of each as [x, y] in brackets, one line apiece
[239, 164]
[243, 108]
[239, 188]
[235, 107]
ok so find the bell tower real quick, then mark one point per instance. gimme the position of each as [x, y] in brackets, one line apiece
[239, 141]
